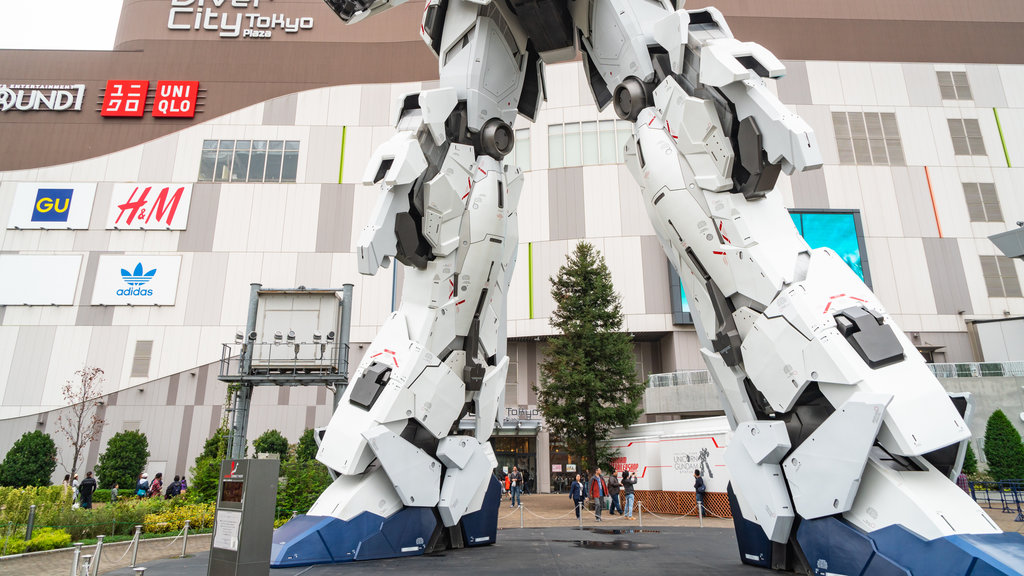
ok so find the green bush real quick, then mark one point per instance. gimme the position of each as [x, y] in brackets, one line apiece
[301, 483]
[306, 449]
[1003, 448]
[48, 539]
[30, 462]
[173, 518]
[272, 442]
[124, 459]
[970, 462]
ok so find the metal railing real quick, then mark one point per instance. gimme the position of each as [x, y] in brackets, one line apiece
[1006, 496]
[314, 358]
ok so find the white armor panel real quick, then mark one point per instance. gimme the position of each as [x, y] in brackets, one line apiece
[415, 475]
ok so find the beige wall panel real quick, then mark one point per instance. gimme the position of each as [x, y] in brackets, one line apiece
[600, 184]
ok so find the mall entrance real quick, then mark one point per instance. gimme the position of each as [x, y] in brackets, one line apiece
[519, 451]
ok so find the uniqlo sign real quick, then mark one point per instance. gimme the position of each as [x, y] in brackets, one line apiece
[125, 98]
[175, 99]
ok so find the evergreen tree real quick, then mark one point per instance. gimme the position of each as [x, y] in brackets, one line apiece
[970, 462]
[125, 458]
[272, 442]
[30, 462]
[203, 487]
[306, 448]
[1003, 448]
[589, 384]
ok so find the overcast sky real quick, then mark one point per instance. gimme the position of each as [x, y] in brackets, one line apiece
[59, 24]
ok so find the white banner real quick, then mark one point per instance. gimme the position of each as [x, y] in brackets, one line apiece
[149, 206]
[54, 206]
[39, 280]
[138, 280]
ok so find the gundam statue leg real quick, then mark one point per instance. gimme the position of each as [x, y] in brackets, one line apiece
[844, 442]
[406, 481]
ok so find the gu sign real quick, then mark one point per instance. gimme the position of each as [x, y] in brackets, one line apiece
[149, 207]
[41, 97]
[52, 205]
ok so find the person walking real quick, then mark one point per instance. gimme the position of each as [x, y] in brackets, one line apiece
[157, 486]
[174, 489]
[86, 490]
[613, 491]
[516, 485]
[628, 482]
[698, 490]
[598, 490]
[113, 493]
[508, 486]
[576, 495]
[74, 492]
[142, 486]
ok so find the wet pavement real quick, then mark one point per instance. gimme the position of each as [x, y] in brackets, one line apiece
[564, 551]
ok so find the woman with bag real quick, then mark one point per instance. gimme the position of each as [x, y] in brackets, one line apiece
[576, 494]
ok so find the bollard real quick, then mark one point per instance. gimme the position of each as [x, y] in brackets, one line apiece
[184, 542]
[96, 557]
[579, 513]
[521, 520]
[135, 542]
[140, 571]
[700, 512]
[31, 521]
[86, 564]
[75, 558]
[295, 513]
[640, 508]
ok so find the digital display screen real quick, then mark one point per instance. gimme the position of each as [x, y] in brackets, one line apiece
[839, 230]
[231, 491]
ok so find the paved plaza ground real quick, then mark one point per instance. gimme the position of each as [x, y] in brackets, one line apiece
[543, 538]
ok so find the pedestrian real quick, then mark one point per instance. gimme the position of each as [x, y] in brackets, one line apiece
[526, 480]
[174, 489]
[963, 483]
[613, 492]
[508, 486]
[184, 484]
[74, 491]
[86, 490]
[142, 486]
[113, 493]
[516, 485]
[698, 490]
[576, 494]
[628, 481]
[65, 485]
[157, 486]
[598, 491]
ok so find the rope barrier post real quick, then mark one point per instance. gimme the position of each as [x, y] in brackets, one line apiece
[579, 513]
[86, 564]
[640, 508]
[140, 571]
[75, 558]
[135, 543]
[31, 521]
[522, 520]
[700, 511]
[7, 537]
[184, 542]
[98, 554]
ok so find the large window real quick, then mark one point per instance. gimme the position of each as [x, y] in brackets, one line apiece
[839, 230]
[1000, 277]
[868, 138]
[587, 143]
[520, 155]
[982, 202]
[954, 85]
[249, 161]
[966, 135]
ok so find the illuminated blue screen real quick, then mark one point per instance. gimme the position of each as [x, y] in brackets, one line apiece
[835, 230]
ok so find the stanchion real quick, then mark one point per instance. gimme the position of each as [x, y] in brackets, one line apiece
[140, 571]
[86, 564]
[184, 542]
[76, 558]
[522, 523]
[31, 521]
[96, 558]
[135, 542]
[640, 509]
[700, 512]
[579, 513]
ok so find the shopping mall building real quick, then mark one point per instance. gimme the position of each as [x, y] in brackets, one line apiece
[220, 144]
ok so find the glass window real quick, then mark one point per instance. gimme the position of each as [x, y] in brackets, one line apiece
[556, 147]
[573, 155]
[291, 161]
[207, 163]
[240, 169]
[275, 150]
[521, 151]
[607, 141]
[223, 171]
[259, 160]
[625, 134]
[589, 140]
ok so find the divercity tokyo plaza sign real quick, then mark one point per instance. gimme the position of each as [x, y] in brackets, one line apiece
[232, 18]
[36, 97]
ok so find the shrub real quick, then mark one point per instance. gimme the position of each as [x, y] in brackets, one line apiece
[300, 485]
[272, 442]
[30, 462]
[305, 450]
[124, 459]
[203, 486]
[42, 539]
[1003, 448]
[173, 519]
[970, 462]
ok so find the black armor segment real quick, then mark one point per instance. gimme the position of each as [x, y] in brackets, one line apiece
[533, 86]
[945, 458]
[870, 337]
[753, 176]
[367, 388]
[598, 87]
[727, 336]
[473, 374]
[346, 9]
[433, 24]
[547, 23]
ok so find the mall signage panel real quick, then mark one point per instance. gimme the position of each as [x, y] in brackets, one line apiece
[41, 97]
[175, 99]
[136, 280]
[148, 206]
[234, 18]
[170, 99]
[42, 280]
[125, 98]
[51, 206]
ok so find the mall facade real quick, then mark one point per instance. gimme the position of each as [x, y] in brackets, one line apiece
[143, 189]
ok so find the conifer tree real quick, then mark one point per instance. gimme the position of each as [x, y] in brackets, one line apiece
[1003, 448]
[589, 384]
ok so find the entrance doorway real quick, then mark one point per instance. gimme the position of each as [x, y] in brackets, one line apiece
[519, 451]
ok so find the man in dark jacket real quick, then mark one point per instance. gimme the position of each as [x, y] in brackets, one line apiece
[86, 489]
[698, 490]
[628, 481]
[613, 491]
[598, 490]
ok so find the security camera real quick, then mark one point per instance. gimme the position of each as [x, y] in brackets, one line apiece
[239, 336]
[330, 336]
[252, 336]
[291, 336]
[278, 336]
[317, 336]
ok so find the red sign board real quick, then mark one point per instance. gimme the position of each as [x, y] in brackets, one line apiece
[125, 98]
[175, 99]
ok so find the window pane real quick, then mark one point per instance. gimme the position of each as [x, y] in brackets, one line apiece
[573, 151]
[259, 159]
[273, 173]
[589, 140]
[241, 166]
[223, 173]
[522, 149]
[291, 166]
[291, 145]
[556, 157]
[209, 144]
[207, 162]
[607, 141]
[625, 134]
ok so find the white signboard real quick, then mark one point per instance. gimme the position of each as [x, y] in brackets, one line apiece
[54, 206]
[233, 18]
[149, 206]
[37, 97]
[229, 523]
[136, 280]
[38, 280]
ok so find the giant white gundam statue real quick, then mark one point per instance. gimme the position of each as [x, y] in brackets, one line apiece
[844, 443]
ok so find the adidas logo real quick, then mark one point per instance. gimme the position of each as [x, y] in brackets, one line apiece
[134, 280]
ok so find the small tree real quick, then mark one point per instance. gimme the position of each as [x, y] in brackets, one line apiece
[589, 381]
[30, 462]
[125, 458]
[1003, 448]
[203, 487]
[78, 424]
[272, 442]
[301, 484]
[970, 461]
[306, 449]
